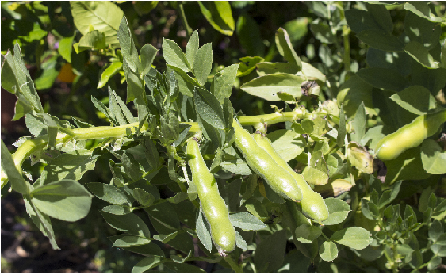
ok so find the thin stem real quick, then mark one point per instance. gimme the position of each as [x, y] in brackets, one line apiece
[346, 39]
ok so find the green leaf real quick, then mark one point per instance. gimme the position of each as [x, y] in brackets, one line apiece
[223, 82]
[118, 110]
[237, 166]
[247, 65]
[338, 211]
[17, 80]
[130, 223]
[354, 92]
[117, 209]
[108, 193]
[307, 234]
[128, 48]
[148, 54]
[91, 40]
[42, 221]
[246, 221]
[203, 232]
[18, 183]
[268, 86]
[103, 16]
[407, 165]
[65, 47]
[328, 251]
[342, 130]
[433, 157]
[135, 91]
[240, 242]
[435, 231]
[71, 166]
[415, 99]
[192, 48]
[359, 124]
[381, 16]
[177, 267]
[421, 54]
[315, 176]
[174, 56]
[219, 15]
[266, 68]
[322, 31]
[383, 78]
[286, 48]
[163, 217]
[208, 107]
[109, 72]
[424, 32]
[143, 197]
[147, 263]
[389, 195]
[66, 200]
[203, 63]
[286, 143]
[270, 252]
[129, 240]
[186, 84]
[355, 237]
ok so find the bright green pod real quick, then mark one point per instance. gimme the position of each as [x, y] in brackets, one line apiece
[312, 203]
[410, 135]
[263, 164]
[213, 206]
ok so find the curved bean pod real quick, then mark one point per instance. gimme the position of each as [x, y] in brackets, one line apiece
[410, 135]
[213, 206]
[263, 164]
[313, 205]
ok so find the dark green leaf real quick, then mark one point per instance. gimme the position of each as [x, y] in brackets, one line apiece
[307, 234]
[91, 40]
[270, 252]
[380, 39]
[249, 36]
[129, 240]
[42, 221]
[117, 209]
[177, 267]
[128, 48]
[383, 78]
[130, 223]
[203, 232]
[421, 54]
[108, 193]
[208, 107]
[163, 217]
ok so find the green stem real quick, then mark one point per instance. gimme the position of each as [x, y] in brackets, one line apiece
[30, 146]
[346, 39]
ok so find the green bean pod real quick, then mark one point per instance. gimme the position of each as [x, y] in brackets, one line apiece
[213, 206]
[410, 135]
[263, 164]
[313, 205]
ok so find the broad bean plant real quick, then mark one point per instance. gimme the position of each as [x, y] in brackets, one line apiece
[345, 173]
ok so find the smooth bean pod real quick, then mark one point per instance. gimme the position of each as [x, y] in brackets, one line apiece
[213, 206]
[410, 135]
[313, 205]
[263, 164]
